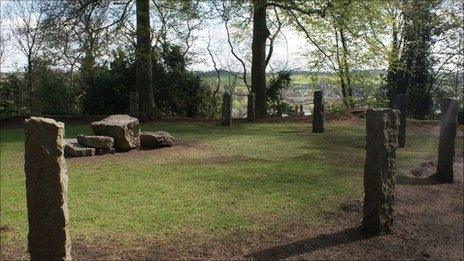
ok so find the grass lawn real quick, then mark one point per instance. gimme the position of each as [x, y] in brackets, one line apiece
[248, 178]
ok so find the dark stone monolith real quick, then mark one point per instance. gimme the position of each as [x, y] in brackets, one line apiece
[251, 117]
[226, 109]
[46, 190]
[449, 109]
[318, 113]
[400, 103]
[461, 117]
[379, 170]
[134, 104]
[301, 110]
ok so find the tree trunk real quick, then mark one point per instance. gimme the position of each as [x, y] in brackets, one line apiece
[258, 67]
[144, 76]
[341, 72]
[346, 70]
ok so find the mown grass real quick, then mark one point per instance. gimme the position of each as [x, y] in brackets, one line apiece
[250, 178]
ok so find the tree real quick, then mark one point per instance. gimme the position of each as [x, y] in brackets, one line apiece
[28, 34]
[258, 67]
[144, 77]
[412, 72]
[347, 38]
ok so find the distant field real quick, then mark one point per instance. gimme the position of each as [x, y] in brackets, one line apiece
[365, 84]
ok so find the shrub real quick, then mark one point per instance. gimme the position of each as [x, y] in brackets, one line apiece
[12, 93]
[275, 101]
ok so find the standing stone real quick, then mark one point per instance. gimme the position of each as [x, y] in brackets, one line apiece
[46, 190]
[301, 110]
[251, 107]
[226, 109]
[461, 117]
[400, 102]
[318, 114]
[379, 170]
[134, 104]
[449, 110]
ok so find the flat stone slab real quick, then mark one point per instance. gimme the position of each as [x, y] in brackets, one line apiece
[73, 149]
[124, 129]
[158, 139]
[103, 151]
[95, 141]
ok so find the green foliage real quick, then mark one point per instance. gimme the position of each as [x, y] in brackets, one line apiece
[12, 93]
[54, 91]
[108, 88]
[178, 91]
[411, 70]
[275, 101]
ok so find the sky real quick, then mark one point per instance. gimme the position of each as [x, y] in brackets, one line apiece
[289, 48]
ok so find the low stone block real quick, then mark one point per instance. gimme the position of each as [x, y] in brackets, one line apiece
[156, 139]
[103, 151]
[94, 141]
[73, 149]
[124, 129]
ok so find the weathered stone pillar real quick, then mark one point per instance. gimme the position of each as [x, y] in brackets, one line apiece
[400, 103]
[134, 104]
[318, 112]
[226, 109]
[46, 190]
[301, 110]
[461, 117]
[449, 110]
[379, 170]
[251, 107]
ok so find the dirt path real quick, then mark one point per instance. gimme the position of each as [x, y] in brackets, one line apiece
[429, 224]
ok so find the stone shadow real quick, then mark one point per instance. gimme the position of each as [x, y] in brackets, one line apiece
[416, 181]
[310, 245]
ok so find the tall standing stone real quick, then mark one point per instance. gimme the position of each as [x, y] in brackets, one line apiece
[134, 104]
[379, 170]
[46, 190]
[226, 109]
[301, 110]
[400, 103]
[251, 116]
[449, 110]
[318, 114]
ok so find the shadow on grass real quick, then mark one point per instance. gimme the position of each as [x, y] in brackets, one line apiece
[310, 245]
[415, 181]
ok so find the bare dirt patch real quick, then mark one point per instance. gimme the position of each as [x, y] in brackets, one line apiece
[178, 149]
